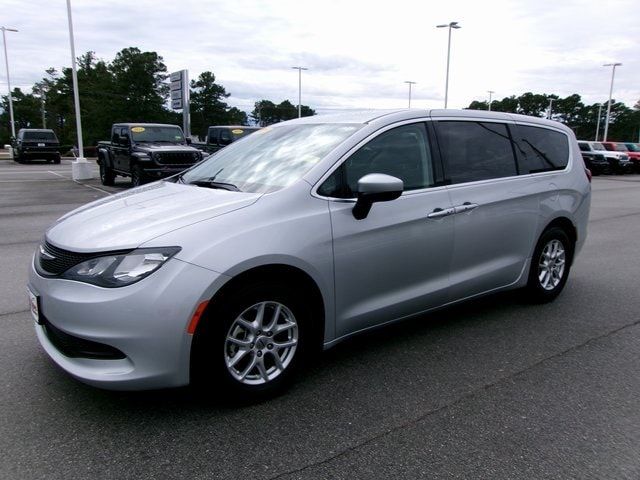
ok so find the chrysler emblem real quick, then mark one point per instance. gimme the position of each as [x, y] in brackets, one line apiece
[46, 255]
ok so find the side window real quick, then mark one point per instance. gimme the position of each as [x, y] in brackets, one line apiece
[115, 136]
[225, 137]
[475, 151]
[541, 149]
[213, 136]
[124, 136]
[402, 152]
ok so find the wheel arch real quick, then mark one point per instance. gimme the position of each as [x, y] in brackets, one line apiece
[270, 273]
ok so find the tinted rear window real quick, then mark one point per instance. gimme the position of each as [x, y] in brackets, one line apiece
[47, 136]
[540, 149]
[475, 151]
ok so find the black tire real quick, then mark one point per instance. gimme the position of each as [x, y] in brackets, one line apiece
[56, 160]
[107, 175]
[137, 176]
[536, 290]
[211, 348]
[17, 157]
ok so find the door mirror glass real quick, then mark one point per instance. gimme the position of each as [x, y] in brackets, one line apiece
[375, 187]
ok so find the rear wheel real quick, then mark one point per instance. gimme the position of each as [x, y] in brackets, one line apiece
[56, 159]
[107, 175]
[252, 345]
[550, 265]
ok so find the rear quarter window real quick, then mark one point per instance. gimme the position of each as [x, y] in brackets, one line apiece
[540, 149]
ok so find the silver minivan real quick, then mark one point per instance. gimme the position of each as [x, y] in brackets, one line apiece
[294, 238]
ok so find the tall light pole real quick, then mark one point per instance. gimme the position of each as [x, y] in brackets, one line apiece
[449, 25]
[299, 89]
[6, 63]
[491, 92]
[598, 124]
[410, 84]
[80, 168]
[613, 73]
[551, 100]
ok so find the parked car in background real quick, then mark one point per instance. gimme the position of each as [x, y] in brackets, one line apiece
[145, 152]
[220, 136]
[36, 144]
[633, 150]
[232, 273]
[595, 162]
[618, 161]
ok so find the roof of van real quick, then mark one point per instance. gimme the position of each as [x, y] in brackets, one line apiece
[370, 116]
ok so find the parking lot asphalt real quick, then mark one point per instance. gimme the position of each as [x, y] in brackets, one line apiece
[493, 389]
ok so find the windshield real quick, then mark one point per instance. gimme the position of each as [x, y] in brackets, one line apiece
[48, 136]
[271, 158]
[632, 147]
[597, 146]
[157, 134]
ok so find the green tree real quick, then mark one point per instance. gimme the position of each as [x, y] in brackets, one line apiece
[207, 104]
[139, 81]
[266, 112]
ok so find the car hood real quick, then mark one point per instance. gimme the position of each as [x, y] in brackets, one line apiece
[131, 218]
[163, 147]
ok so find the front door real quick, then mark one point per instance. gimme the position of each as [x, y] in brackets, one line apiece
[395, 262]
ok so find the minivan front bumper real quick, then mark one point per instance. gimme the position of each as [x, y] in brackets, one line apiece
[141, 329]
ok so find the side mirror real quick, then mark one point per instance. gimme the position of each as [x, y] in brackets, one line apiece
[375, 187]
[13, 141]
[187, 140]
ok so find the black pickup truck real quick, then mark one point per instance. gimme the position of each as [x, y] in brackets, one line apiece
[145, 152]
[36, 143]
[220, 136]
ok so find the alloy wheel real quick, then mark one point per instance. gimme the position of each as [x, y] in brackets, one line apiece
[261, 343]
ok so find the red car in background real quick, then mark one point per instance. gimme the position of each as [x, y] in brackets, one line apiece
[634, 157]
[634, 154]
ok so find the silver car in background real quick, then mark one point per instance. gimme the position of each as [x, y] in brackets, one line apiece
[302, 234]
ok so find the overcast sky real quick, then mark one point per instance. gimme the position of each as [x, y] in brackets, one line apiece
[359, 53]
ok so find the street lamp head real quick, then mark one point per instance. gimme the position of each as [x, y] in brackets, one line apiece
[449, 25]
[6, 29]
[617, 64]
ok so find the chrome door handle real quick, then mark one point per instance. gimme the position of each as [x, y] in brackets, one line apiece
[466, 207]
[440, 212]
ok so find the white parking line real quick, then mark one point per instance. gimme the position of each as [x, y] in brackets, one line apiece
[83, 184]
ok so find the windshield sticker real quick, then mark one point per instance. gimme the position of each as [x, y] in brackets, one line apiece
[237, 131]
[137, 129]
[178, 137]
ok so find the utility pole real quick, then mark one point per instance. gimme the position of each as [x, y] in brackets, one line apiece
[613, 73]
[491, 92]
[6, 62]
[299, 89]
[410, 84]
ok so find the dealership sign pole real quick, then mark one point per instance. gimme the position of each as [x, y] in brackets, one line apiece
[179, 88]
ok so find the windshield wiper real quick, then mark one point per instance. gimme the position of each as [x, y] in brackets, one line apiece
[212, 184]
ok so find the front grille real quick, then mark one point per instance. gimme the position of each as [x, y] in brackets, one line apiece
[177, 158]
[54, 261]
[75, 347]
[61, 260]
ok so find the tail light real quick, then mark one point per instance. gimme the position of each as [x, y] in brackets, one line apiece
[588, 173]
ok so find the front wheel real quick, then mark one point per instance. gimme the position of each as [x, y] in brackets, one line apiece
[137, 176]
[251, 346]
[550, 266]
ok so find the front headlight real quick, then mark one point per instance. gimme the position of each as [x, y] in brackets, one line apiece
[120, 270]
